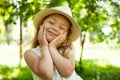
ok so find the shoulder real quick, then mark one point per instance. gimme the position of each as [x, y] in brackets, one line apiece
[31, 51]
[30, 57]
[29, 54]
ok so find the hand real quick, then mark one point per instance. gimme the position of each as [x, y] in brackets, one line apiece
[58, 40]
[42, 36]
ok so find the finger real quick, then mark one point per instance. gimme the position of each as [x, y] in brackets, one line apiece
[58, 39]
[41, 29]
[65, 35]
[62, 37]
[59, 36]
[44, 33]
[40, 32]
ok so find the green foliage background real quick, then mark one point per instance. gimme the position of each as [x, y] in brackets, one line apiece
[91, 71]
[92, 16]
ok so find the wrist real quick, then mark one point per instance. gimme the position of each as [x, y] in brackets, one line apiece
[52, 46]
[43, 46]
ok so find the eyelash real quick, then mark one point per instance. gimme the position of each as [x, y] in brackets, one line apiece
[51, 22]
[61, 28]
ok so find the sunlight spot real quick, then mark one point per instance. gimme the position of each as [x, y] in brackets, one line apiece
[106, 30]
[1, 78]
[83, 13]
[116, 1]
[15, 73]
[77, 49]
[115, 62]
[103, 62]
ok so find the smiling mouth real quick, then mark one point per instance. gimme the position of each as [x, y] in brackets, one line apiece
[52, 34]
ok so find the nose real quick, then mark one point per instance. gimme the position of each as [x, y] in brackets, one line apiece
[55, 28]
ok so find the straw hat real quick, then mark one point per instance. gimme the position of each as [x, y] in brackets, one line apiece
[63, 10]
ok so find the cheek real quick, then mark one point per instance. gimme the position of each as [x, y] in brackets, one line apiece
[46, 25]
[62, 31]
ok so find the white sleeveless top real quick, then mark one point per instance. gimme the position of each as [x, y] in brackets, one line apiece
[56, 76]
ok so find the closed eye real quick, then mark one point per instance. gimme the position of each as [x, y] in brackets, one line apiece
[51, 22]
[61, 27]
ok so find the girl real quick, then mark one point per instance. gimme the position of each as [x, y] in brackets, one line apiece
[51, 56]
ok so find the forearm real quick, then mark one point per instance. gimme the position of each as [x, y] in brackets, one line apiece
[45, 63]
[63, 65]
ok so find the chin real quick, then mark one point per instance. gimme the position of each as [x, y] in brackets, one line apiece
[49, 39]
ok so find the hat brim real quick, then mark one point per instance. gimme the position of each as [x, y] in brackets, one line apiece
[75, 29]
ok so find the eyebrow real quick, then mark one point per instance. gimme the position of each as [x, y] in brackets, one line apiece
[53, 18]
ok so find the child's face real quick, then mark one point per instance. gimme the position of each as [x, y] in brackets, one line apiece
[55, 25]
